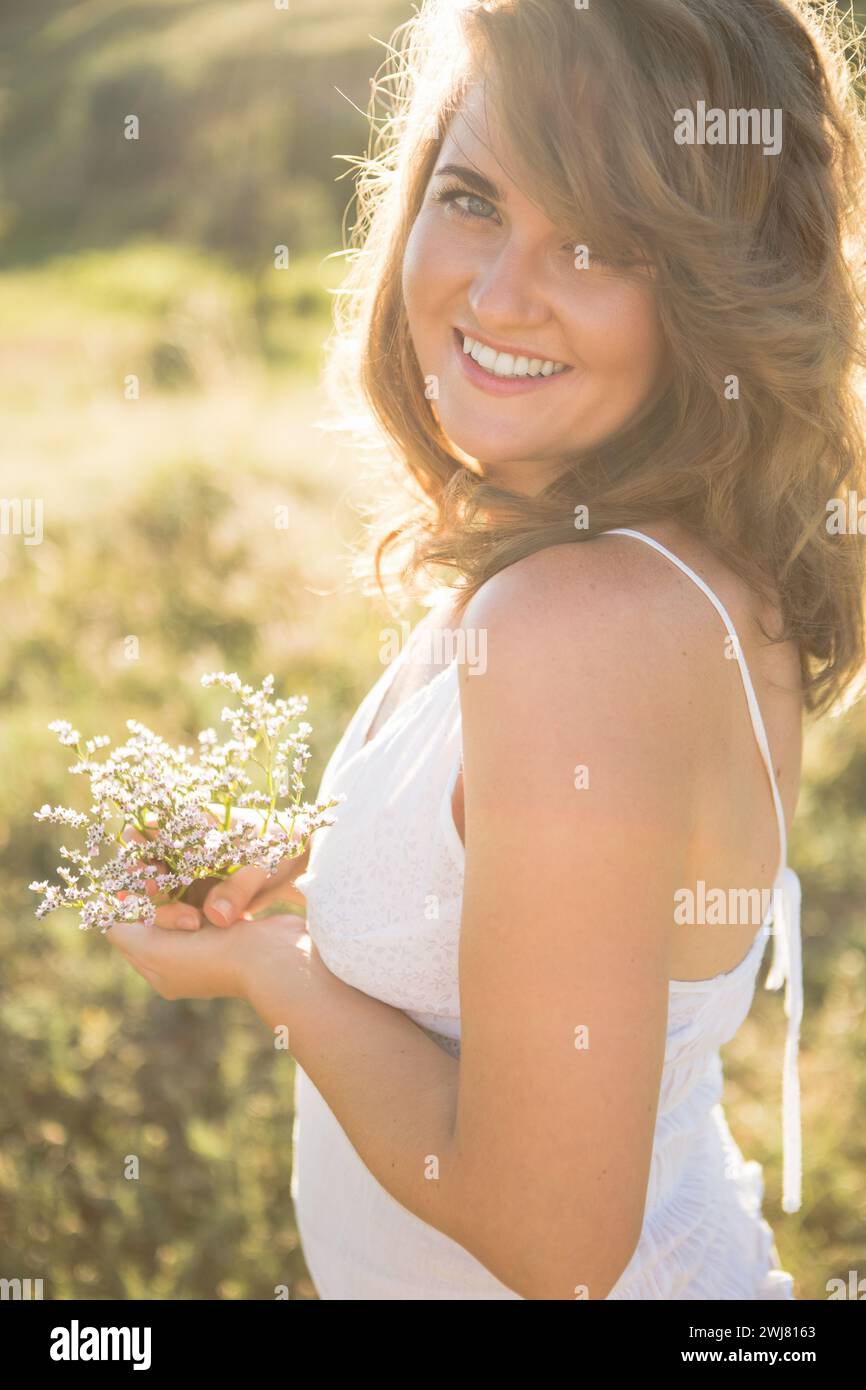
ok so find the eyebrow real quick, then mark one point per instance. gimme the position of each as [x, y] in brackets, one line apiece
[472, 177]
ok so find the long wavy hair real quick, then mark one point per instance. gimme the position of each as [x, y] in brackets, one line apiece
[759, 265]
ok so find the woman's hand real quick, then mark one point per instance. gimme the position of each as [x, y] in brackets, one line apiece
[205, 964]
[223, 901]
[218, 962]
[213, 948]
[247, 892]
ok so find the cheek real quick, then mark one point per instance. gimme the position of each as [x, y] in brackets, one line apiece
[420, 250]
[417, 291]
[412, 259]
[622, 326]
[431, 265]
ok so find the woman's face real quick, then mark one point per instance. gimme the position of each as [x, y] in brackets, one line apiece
[487, 263]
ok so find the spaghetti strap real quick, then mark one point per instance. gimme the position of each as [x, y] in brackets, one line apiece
[786, 966]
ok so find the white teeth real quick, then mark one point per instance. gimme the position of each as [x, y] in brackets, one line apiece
[505, 364]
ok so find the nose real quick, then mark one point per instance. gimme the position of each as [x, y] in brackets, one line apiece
[506, 294]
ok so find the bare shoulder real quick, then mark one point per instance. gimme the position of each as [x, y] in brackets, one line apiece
[612, 626]
[617, 594]
[588, 582]
[607, 647]
[587, 663]
[595, 618]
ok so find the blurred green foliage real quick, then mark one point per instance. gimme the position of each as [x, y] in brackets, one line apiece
[242, 109]
[160, 523]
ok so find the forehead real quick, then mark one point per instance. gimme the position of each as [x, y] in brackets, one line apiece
[476, 136]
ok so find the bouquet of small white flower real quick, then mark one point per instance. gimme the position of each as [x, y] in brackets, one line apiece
[199, 817]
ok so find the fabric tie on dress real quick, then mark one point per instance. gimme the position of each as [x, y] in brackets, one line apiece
[787, 968]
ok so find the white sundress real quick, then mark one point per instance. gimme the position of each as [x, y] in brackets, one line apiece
[393, 843]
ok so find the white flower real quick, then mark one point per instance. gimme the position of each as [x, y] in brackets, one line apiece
[190, 808]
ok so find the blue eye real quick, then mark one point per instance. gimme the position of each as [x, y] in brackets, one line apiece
[450, 195]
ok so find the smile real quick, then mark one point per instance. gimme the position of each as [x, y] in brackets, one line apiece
[505, 373]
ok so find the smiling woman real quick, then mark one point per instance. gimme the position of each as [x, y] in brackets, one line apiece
[528, 190]
[586, 342]
[594, 334]
[482, 260]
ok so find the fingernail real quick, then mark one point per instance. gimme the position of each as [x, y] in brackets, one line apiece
[187, 920]
[223, 908]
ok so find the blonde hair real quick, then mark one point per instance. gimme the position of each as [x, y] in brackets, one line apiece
[758, 266]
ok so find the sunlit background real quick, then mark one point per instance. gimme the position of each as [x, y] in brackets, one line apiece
[154, 259]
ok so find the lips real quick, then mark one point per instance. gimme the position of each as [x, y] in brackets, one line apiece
[491, 385]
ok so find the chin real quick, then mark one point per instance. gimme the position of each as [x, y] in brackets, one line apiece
[487, 462]
[477, 447]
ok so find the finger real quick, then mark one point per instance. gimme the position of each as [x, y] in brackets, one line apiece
[117, 934]
[272, 892]
[178, 917]
[196, 892]
[130, 938]
[229, 898]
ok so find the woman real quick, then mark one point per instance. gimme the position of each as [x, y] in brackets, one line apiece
[616, 350]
